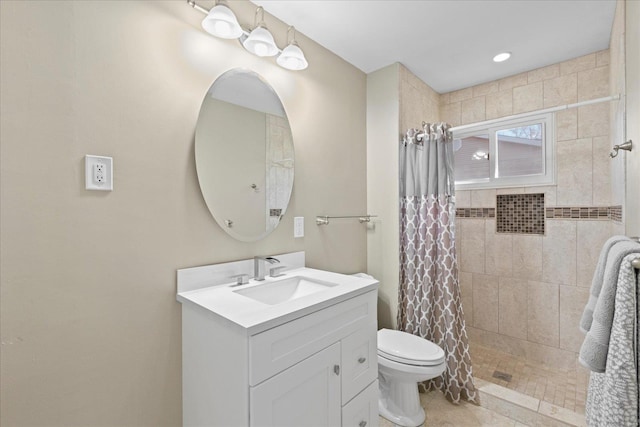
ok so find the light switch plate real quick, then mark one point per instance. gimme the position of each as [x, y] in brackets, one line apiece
[98, 173]
[298, 226]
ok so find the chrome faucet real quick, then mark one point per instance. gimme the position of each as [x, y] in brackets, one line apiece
[257, 271]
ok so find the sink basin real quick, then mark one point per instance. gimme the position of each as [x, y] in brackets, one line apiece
[284, 290]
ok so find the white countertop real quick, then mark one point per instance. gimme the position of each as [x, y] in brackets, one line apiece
[255, 317]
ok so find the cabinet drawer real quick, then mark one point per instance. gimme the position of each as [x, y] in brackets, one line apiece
[362, 411]
[359, 361]
[274, 350]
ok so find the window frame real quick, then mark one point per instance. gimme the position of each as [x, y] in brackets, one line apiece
[491, 127]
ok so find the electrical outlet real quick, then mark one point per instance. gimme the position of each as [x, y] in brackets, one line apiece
[98, 173]
[298, 226]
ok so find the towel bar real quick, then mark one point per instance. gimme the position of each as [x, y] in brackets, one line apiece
[324, 219]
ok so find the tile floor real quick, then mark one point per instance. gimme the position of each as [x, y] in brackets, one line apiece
[499, 407]
[566, 389]
[441, 413]
[527, 394]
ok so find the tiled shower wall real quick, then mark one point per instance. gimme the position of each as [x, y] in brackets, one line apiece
[418, 101]
[521, 293]
[279, 167]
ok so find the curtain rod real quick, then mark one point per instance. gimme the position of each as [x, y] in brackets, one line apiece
[533, 113]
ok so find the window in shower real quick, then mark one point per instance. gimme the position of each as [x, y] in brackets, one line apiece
[505, 153]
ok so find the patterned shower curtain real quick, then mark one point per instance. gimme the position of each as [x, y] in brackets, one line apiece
[429, 299]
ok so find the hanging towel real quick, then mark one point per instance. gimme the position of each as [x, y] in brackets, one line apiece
[596, 283]
[594, 350]
[612, 398]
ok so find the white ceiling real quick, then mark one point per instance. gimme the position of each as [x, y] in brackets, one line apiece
[449, 44]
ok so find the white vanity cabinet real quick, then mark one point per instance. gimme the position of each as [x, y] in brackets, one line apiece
[319, 369]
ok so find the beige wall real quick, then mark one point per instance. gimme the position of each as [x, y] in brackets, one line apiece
[90, 326]
[632, 206]
[617, 108]
[396, 100]
[625, 114]
[524, 293]
[383, 108]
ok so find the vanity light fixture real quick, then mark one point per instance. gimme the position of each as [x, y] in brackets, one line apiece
[260, 41]
[501, 57]
[480, 155]
[292, 57]
[222, 22]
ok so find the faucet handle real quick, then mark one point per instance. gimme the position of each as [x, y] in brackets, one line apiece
[241, 279]
[275, 271]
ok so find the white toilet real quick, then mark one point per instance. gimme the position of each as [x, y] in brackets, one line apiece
[404, 360]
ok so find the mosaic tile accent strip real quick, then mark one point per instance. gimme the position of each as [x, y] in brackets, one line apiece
[275, 212]
[585, 212]
[520, 213]
[615, 213]
[576, 212]
[475, 212]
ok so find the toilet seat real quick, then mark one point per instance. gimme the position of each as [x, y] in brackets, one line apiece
[402, 347]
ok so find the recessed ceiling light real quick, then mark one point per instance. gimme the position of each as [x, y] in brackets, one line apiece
[502, 57]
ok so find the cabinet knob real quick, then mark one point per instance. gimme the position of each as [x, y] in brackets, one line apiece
[362, 359]
[362, 424]
[336, 369]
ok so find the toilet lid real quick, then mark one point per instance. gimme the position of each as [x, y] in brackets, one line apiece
[406, 348]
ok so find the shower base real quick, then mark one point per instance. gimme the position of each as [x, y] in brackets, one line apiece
[562, 388]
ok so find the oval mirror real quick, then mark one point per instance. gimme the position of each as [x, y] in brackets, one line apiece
[244, 155]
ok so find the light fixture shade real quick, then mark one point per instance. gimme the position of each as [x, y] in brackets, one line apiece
[292, 58]
[221, 22]
[260, 42]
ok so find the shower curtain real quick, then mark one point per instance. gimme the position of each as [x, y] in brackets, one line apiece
[429, 295]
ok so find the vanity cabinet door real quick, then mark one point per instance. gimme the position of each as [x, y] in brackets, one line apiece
[307, 394]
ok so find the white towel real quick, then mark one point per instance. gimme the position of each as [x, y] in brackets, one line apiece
[594, 350]
[596, 282]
